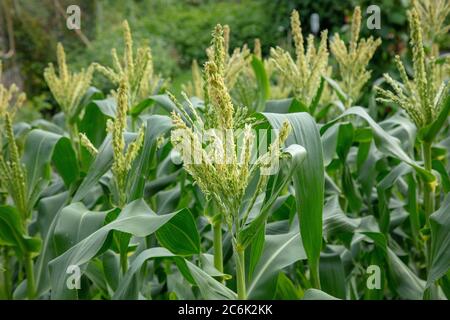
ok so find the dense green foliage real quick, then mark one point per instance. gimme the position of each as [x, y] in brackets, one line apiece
[114, 195]
[176, 29]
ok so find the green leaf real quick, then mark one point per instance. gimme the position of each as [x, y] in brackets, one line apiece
[345, 138]
[280, 251]
[48, 210]
[210, 288]
[384, 194]
[440, 242]
[92, 94]
[180, 234]
[385, 143]
[445, 284]
[403, 280]
[350, 190]
[167, 200]
[431, 131]
[288, 105]
[93, 123]
[378, 238]
[314, 294]
[337, 88]
[255, 251]
[295, 155]
[262, 82]
[141, 106]
[12, 233]
[156, 126]
[42, 148]
[317, 96]
[75, 223]
[107, 106]
[95, 273]
[161, 100]
[136, 218]
[309, 182]
[98, 168]
[286, 290]
[335, 222]
[164, 101]
[111, 268]
[445, 175]
[332, 275]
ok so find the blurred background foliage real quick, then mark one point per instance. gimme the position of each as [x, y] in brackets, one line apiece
[178, 31]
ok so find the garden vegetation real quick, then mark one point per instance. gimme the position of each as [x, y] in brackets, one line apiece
[266, 177]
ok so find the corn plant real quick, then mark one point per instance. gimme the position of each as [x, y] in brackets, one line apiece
[261, 179]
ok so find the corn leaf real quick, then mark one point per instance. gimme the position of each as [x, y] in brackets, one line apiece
[309, 181]
[136, 218]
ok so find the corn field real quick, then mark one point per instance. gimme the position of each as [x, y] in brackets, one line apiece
[264, 177]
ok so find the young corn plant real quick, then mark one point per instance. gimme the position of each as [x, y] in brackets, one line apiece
[223, 169]
[421, 98]
[68, 88]
[353, 61]
[279, 85]
[433, 15]
[427, 104]
[135, 66]
[123, 156]
[305, 72]
[244, 75]
[252, 88]
[194, 88]
[13, 178]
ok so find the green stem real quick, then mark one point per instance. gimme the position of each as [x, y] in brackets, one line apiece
[428, 190]
[30, 276]
[218, 251]
[124, 261]
[314, 275]
[6, 274]
[428, 203]
[240, 273]
[75, 139]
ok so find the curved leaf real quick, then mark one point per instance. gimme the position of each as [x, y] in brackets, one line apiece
[210, 288]
[314, 294]
[156, 127]
[309, 181]
[385, 142]
[279, 252]
[440, 242]
[296, 155]
[136, 219]
[262, 82]
[180, 234]
[42, 148]
[403, 280]
[12, 233]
